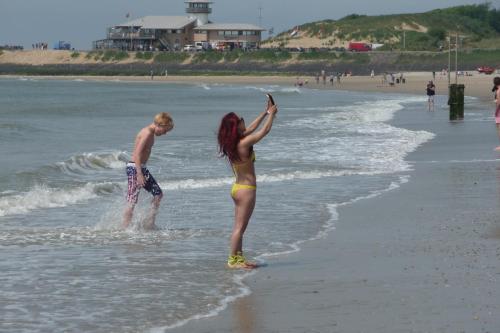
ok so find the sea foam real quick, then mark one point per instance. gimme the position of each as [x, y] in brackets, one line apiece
[42, 196]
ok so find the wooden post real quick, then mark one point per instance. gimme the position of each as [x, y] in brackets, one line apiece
[456, 101]
[460, 97]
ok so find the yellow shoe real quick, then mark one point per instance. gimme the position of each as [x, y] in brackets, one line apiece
[239, 261]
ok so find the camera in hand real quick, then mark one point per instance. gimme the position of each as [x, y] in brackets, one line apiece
[271, 99]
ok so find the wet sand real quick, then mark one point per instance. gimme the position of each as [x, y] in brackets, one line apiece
[477, 85]
[421, 258]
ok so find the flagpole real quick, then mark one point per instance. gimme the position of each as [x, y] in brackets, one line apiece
[129, 31]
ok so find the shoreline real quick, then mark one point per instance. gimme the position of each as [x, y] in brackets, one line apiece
[420, 258]
[387, 254]
[477, 85]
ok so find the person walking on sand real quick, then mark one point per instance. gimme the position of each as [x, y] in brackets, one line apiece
[236, 143]
[496, 90]
[139, 175]
[431, 91]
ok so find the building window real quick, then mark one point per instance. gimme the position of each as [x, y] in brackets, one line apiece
[198, 5]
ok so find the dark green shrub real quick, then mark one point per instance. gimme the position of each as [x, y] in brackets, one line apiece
[144, 55]
[172, 57]
[437, 33]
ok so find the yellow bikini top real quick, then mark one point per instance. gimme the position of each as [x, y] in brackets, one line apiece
[237, 166]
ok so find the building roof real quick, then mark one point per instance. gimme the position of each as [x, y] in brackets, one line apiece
[159, 22]
[229, 26]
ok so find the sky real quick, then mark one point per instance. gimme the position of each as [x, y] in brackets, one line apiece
[24, 22]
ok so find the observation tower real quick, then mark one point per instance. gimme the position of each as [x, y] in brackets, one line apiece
[199, 9]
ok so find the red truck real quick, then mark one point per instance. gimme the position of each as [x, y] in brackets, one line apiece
[359, 47]
[486, 69]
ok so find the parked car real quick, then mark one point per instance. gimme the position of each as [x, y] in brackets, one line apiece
[486, 69]
[359, 47]
[295, 49]
[202, 46]
[189, 48]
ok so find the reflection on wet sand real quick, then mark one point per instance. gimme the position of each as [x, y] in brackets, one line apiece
[244, 316]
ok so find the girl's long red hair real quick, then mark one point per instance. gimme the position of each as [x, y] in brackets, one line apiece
[229, 136]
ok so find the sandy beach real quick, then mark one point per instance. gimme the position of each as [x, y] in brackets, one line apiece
[421, 258]
[477, 85]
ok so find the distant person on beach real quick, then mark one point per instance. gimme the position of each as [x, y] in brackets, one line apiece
[236, 143]
[372, 74]
[431, 91]
[496, 90]
[139, 175]
[323, 75]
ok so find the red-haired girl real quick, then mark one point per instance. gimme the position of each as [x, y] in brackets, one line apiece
[236, 144]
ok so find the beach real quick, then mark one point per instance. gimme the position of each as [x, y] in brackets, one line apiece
[205, 166]
[477, 85]
[420, 258]
[373, 214]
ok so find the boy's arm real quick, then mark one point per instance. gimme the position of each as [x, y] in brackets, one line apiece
[141, 142]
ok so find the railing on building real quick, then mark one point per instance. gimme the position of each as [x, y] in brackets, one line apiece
[117, 34]
[198, 10]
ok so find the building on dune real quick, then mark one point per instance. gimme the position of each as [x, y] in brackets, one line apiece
[168, 33]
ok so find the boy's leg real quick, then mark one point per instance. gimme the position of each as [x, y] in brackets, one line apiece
[152, 187]
[132, 196]
[127, 215]
[149, 223]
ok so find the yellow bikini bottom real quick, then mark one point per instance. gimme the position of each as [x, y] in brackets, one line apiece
[236, 187]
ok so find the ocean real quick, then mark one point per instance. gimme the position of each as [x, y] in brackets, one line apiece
[66, 266]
